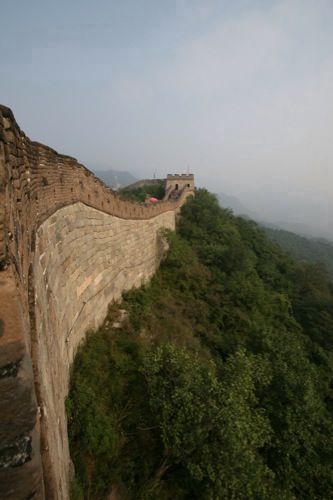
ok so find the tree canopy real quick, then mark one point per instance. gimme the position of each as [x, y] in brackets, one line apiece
[219, 385]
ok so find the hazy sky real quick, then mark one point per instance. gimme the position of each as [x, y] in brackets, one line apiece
[241, 91]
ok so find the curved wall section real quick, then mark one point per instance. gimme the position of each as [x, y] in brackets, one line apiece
[68, 246]
[84, 259]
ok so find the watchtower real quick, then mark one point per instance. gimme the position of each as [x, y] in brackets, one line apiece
[176, 182]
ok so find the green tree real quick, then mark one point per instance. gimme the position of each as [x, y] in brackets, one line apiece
[212, 428]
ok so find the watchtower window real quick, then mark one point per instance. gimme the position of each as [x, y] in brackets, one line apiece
[188, 185]
[176, 187]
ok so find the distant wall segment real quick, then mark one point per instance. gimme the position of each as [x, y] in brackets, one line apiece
[146, 182]
[68, 246]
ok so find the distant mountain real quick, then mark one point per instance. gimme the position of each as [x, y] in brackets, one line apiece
[298, 212]
[227, 201]
[301, 229]
[302, 246]
[308, 249]
[115, 178]
[308, 220]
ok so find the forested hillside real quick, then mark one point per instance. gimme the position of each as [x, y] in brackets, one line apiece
[141, 193]
[308, 249]
[219, 384]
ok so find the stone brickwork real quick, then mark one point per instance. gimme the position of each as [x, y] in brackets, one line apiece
[49, 296]
[179, 181]
[83, 260]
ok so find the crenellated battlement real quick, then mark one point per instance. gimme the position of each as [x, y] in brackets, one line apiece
[69, 245]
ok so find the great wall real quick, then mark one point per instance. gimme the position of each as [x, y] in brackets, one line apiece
[69, 246]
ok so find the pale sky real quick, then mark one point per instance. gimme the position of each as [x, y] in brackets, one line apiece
[241, 91]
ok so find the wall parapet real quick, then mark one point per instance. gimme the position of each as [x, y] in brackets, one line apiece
[39, 181]
[36, 182]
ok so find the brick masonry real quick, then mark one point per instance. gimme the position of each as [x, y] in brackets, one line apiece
[84, 259]
[68, 246]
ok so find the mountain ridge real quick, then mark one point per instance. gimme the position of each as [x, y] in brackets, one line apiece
[115, 179]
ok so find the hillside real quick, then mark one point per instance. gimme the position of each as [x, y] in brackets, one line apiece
[218, 384]
[233, 203]
[142, 192]
[308, 249]
[293, 214]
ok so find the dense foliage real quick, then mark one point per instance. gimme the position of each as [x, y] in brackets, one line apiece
[308, 249]
[219, 385]
[141, 193]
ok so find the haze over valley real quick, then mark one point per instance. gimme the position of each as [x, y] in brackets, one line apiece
[303, 213]
[170, 337]
[238, 92]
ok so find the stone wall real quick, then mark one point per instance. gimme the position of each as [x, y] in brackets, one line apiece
[49, 203]
[84, 259]
[179, 181]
